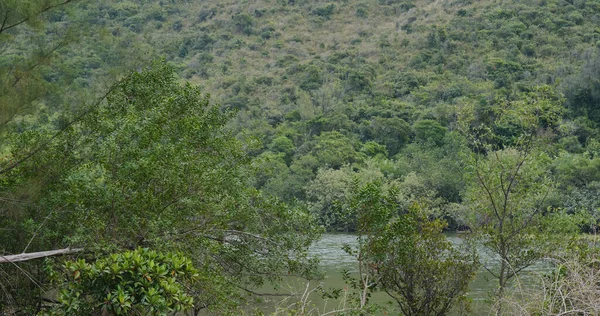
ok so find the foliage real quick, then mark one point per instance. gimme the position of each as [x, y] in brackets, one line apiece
[391, 132]
[334, 149]
[429, 131]
[509, 210]
[153, 167]
[570, 287]
[419, 267]
[510, 188]
[330, 192]
[394, 68]
[175, 149]
[22, 70]
[134, 282]
[405, 254]
[325, 11]
[408, 90]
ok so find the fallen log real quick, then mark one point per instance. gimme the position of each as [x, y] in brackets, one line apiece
[36, 255]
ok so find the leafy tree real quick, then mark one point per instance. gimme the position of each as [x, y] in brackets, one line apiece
[419, 267]
[393, 132]
[414, 189]
[334, 149]
[312, 79]
[243, 23]
[583, 90]
[507, 198]
[404, 83]
[153, 167]
[429, 130]
[324, 11]
[285, 146]
[290, 186]
[440, 168]
[509, 188]
[576, 170]
[29, 41]
[326, 193]
[329, 193]
[578, 177]
[373, 149]
[405, 254]
[267, 166]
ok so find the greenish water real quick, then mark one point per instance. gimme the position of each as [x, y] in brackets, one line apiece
[334, 260]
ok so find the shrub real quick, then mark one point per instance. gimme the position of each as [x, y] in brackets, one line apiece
[141, 282]
[324, 12]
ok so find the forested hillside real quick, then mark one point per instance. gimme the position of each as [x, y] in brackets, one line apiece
[329, 90]
[480, 116]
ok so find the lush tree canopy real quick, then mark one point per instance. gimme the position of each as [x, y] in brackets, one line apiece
[153, 167]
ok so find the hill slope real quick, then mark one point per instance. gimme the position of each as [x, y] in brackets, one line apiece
[331, 90]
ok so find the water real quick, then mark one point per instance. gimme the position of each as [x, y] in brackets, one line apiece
[334, 260]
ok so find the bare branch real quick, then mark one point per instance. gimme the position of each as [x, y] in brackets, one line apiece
[487, 191]
[38, 255]
[262, 294]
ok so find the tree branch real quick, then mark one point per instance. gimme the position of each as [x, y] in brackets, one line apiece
[37, 255]
[487, 190]
[262, 294]
[45, 144]
[48, 8]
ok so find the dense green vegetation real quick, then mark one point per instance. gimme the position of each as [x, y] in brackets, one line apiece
[322, 115]
[135, 282]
